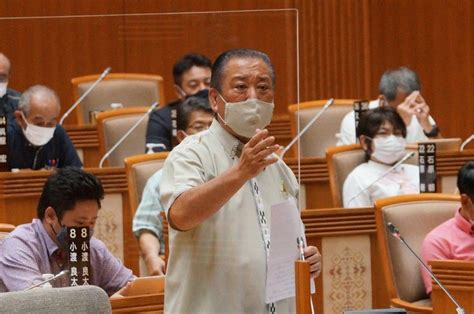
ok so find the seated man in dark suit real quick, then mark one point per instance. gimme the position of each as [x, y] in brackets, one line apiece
[191, 74]
[8, 97]
[71, 197]
[35, 140]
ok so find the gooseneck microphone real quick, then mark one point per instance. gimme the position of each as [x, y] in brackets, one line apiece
[396, 233]
[60, 274]
[467, 141]
[401, 161]
[120, 141]
[87, 92]
[310, 123]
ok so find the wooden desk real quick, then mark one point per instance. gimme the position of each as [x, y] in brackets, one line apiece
[352, 276]
[20, 192]
[458, 278]
[151, 303]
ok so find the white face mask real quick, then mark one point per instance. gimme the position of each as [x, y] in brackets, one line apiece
[389, 149]
[37, 135]
[3, 89]
[245, 117]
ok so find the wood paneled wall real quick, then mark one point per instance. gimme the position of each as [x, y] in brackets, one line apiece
[345, 45]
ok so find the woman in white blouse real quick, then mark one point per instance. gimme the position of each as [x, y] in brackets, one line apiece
[382, 134]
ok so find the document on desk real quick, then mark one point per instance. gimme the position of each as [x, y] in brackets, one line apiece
[285, 228]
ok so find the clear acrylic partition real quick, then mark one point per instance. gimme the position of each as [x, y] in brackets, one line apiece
[52, 50]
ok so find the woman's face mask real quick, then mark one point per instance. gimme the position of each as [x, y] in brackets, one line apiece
[388, 149]
[245, 117]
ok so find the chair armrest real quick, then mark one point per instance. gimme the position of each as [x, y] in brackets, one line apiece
[410, 306]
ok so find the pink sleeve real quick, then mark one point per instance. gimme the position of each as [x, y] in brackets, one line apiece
[433, 248]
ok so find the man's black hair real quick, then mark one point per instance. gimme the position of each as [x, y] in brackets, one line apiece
[198, 102]
[186, 63]
[372, 120]
[466, 179]
[225, 57]
[66, 187]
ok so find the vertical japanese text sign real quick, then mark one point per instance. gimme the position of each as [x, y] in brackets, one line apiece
[360, 106]
[79, 256]
[427, 164]
[3, 144]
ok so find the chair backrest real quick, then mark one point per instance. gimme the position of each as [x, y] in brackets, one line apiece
[82, 299]
[323, 133]
[112, 125]
[341, 160]
[442, 144]
[415, 216]
[5, 229]
[128, 89]
[139, 169]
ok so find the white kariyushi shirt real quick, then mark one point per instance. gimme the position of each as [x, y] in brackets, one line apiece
[404, 179]
[220, 266]
[347, 133]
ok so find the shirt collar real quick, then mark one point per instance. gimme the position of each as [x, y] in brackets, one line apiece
[462, 223]
[232, 146]
[45, 238]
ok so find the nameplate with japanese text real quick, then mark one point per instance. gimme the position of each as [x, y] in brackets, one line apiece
[427, 166]
[79, 256]
[360, 106]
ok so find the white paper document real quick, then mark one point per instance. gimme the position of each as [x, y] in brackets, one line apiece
[285, 228]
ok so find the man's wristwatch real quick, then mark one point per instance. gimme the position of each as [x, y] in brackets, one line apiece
[433, 133]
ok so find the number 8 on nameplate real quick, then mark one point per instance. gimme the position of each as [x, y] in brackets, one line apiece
[78, 256]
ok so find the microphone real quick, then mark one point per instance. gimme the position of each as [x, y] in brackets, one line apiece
[401, 161]
[467, 141]
[68, 112]
[60, 274]
[120, 141]
[316, 117]
[396, 233]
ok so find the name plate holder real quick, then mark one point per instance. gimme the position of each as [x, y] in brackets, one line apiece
[427, 165]
[78, 256]
[360, 107]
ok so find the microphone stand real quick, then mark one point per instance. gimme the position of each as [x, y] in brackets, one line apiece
[120, 141]
[467, 141]
[396, 233]
[310, 123]
[60, 274]
[401, 161]
[68, 112]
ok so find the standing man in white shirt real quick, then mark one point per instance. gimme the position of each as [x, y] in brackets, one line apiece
[217, 189]
[400, 89]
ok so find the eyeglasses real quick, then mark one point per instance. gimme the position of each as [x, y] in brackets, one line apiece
[198, 127]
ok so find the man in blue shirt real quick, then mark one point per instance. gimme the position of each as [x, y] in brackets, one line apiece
[193, 116]
[35, 140]
[8, 97]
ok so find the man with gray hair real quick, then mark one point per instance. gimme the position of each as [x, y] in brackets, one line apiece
[35, 141]
[400, 89]
[8, 97]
